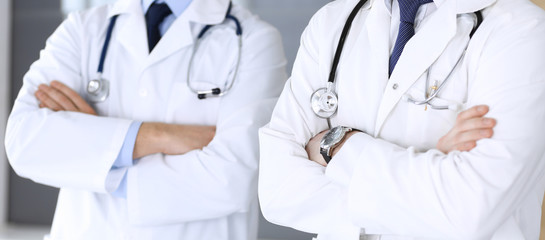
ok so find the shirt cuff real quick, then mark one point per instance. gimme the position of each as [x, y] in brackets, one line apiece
[124, 159]
[117, 177]
[121, 191]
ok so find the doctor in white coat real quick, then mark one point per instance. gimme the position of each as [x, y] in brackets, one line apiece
[151, 161]
[388, 180]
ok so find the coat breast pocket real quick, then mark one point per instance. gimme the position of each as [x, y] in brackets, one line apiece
[184, 107]
[212, 68]
[427, 123]
[215, 60]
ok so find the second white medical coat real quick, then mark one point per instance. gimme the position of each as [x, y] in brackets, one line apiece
[204, 194]
[390, 180]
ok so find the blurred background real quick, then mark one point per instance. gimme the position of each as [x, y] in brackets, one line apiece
[26, 208]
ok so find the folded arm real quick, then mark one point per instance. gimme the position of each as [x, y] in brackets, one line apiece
[220, 179]
[388, 189]
[61, 148]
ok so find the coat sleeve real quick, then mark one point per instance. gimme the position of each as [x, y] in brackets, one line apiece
[293, 190]
[387, 189]
[220, 179]
[61, 149]
[463, 195]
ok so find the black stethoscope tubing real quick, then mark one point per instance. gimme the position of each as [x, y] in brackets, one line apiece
[348, 25]
[324, 101]
[344, 35]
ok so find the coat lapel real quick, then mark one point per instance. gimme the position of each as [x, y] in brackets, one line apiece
[419, 53]
[131, 28]
[132, 33]
[178, 36]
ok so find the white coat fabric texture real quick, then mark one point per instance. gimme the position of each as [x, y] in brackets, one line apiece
[389, 180]
[204, 194]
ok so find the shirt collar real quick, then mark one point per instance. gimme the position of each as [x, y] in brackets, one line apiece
[463, 6]
[201, 11]
[389, 4]
[176, 6]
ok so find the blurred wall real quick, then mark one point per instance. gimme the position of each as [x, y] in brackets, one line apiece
[290, 17]
[5, 20]
[32, 22]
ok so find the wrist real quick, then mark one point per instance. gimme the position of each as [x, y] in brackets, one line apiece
[337, 148]
[150, 139]
[331, 140]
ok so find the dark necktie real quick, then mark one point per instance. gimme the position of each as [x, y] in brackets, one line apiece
[407, 9]
[155, 15]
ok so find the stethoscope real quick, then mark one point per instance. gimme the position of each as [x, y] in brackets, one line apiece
[98, 89]
[324, 101]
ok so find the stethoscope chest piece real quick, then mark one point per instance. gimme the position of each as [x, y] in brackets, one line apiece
[98, 90]
[324, 102]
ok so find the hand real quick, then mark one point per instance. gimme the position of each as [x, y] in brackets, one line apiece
[313, 147]
[470, 127]
[59, 97]
[171, 139]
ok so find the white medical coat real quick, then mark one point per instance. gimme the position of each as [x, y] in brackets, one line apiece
[204, 194]
[390, 180]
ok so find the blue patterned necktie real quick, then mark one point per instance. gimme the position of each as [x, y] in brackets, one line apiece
[407, 9]
[155, 15]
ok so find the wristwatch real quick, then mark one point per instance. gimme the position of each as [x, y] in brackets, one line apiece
[331, 139]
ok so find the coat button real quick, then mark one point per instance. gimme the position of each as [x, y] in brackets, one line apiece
[395, 86]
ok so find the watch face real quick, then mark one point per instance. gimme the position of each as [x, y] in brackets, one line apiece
[333, 136]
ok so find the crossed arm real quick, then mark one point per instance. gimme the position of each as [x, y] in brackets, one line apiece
[153, 137]
[173, 139]
[471, 125]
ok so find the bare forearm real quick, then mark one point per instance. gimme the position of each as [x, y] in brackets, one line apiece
[148, 140]
[171, 139]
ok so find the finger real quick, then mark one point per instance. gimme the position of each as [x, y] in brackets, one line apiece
[46, 101]
[58, 97]
[321, 134]
[442, 144]
[473, 135]
[475, 123]
[476, 111]
[74, 97]
[466, 146]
